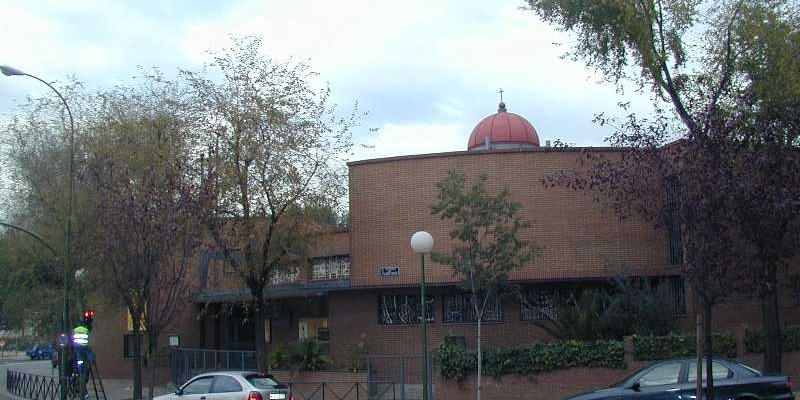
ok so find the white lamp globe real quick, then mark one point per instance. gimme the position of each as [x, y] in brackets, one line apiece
[421, 242]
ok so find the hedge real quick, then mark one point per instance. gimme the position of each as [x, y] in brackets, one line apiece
[648, 348]
[455, 362]
[754, 340]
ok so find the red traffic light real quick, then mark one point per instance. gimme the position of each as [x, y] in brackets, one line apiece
[88, 314]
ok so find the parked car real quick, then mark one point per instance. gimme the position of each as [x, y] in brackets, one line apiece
[40, 352]
[230, 385]
[676, 379]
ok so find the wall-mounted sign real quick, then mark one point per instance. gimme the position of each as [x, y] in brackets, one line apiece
[390, 271]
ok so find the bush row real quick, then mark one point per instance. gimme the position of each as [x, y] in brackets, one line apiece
[648, 348]
[455, 362]
[754, 340]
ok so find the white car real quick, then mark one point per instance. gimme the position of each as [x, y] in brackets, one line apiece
[230, 385]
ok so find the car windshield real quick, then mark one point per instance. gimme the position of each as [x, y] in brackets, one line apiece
[261, 381]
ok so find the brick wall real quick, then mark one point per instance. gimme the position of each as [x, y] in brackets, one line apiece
[390, 199]
[354, 318]
[565, 383]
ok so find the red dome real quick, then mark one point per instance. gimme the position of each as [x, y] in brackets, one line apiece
[503, 130]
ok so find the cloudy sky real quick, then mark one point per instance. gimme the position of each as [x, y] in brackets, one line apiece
[426, 70]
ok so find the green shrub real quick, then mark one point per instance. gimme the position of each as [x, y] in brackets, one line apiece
[754, 340]
[672, 346]
[278, 357]
[455, 362]
[308, 355]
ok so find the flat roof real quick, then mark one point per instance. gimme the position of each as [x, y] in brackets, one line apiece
[482, 152]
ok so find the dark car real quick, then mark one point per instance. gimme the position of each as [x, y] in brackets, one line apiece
[40, 352]
[676, 380]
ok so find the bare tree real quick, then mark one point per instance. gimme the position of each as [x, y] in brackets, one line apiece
[274, 148]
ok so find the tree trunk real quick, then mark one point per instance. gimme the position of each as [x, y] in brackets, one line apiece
[137, 357]
[709, 349]
[699, 350]
[260, 337]
[480, 369]
[151, 352]
[772, 327]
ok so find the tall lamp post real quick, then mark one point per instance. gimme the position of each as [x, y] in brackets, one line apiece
[422, 243]
[65, 325]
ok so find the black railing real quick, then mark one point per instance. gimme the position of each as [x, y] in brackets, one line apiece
[186, 363]
[38, 387]
[342, 391]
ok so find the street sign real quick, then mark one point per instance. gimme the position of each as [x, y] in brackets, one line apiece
[390, 271]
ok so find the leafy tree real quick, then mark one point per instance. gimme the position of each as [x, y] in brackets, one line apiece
[274, 150]
[30, 286]
[487, 242]
[723, 67]
[145, 203]
[35, 147]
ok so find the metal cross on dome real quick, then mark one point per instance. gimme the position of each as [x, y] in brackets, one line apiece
[501, 94]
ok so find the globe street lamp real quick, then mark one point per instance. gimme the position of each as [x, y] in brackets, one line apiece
[422, 243]
[11, 71]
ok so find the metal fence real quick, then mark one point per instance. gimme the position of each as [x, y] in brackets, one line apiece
[343, 391]
[404, 370]
[41, 387]
[186, 363]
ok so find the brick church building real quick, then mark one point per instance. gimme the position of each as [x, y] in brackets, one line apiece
[362, 285]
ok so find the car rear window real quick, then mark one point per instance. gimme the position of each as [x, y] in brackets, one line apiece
[261, 381]
[749, 370]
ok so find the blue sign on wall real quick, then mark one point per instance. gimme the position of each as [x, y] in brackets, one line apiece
[390, 271]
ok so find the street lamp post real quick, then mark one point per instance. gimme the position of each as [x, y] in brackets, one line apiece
[65, 325]
[422, 243]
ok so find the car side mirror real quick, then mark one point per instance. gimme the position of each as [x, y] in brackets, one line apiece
[636, 386]
[179, 392]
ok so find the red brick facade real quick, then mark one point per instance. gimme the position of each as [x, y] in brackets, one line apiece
[390, 199]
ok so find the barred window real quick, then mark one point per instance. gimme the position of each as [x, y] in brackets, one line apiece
[336, 267]
[403, 309]
[678, 295]
[284, 276]
[539, 305]
[458, 307]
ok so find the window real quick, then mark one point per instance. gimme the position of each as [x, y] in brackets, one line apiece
[539, 305]
[284, 276]
[127, 345]
[673, 197]
[312, 328]
[198, 386]
[261, 381]
[336, 267]
[458, 307]
[225, 384]
[403, 309]
[664, 374]
[718, 371]
[678, 295]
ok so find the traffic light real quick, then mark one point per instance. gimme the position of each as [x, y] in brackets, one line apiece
[88, 317]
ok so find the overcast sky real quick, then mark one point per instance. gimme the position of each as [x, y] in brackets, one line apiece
[426, 71]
